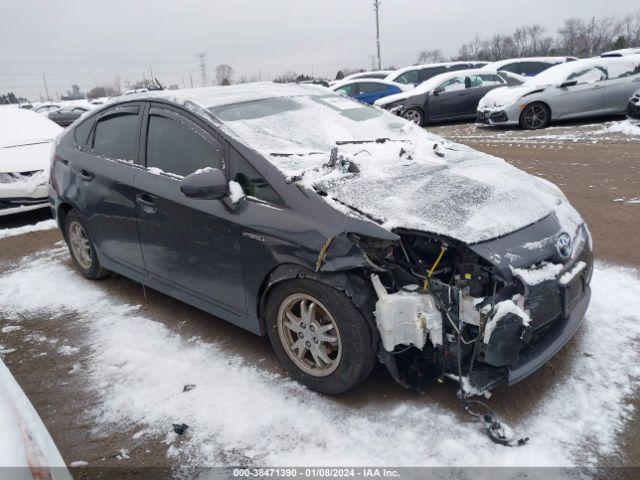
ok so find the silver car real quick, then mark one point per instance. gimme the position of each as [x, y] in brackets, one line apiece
[584, 88]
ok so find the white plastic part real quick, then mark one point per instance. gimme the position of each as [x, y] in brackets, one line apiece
[405, 318]
[467, 310]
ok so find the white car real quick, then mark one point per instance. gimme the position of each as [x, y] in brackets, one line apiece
[527, 66]
[416, 74]
[622, 52]
[584, 88]
[26, 140]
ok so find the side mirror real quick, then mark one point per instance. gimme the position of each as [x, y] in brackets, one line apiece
[569, 83]
[208, 184]
[438, 91]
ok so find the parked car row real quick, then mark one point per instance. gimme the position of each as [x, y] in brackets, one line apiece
[529, 92]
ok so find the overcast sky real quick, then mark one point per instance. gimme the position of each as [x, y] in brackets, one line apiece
[89, 42]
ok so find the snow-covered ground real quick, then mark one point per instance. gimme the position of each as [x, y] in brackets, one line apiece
[24, 440]
[240, 413]
[37, 227]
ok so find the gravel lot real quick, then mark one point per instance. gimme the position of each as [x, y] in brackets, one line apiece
[597, 168]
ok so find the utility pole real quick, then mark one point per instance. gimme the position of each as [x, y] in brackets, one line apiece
[203, 67]
[151, 72]
[191, 78]
[376, 6]
[46, 89]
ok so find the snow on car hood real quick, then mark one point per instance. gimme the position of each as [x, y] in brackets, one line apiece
[20, 127]
[464, 195]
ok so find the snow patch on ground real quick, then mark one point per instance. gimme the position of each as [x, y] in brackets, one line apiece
[38, 227]
[242, 414]
[628, 127]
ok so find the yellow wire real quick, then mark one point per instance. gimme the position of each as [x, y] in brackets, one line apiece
[433, 268]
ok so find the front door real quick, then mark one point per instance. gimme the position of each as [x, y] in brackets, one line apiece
[104, 169]
[586, 97]
[190, 244]
[449, 99]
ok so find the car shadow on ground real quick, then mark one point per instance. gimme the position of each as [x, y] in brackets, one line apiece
[24, 219]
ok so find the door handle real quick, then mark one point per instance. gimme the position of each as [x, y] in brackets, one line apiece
[146, 202]
[86, 175]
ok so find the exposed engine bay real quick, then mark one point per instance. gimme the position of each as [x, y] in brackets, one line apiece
[444, 310]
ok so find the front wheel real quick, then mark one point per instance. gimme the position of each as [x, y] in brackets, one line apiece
[81, 247]
[319, 336]
[535, 116]
[414, 115]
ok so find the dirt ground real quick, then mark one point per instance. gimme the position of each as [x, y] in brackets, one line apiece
[599, 172]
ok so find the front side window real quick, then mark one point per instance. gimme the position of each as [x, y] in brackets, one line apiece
[368, 87]
[452, 85]
[588, 75]
[116, 136]
[533, 68]
[347, 90]
[253, 184]
[484, 80]
[180, 148]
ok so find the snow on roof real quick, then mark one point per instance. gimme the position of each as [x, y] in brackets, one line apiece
[364, 74]
[559, 73]
[351, 81]
[208, 97]
[622, 52]
[19, 126]
[502, 63]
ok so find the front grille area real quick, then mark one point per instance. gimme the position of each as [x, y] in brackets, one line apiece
[19, 202]
[17, 176]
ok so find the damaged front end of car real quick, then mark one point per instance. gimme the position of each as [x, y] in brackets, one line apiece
[485, 314]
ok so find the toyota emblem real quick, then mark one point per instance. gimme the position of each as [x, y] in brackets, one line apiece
[564, 245]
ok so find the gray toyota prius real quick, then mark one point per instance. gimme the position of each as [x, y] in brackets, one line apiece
[346, 234]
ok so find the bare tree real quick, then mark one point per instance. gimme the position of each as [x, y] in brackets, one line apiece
[430, 56]
[224, 73]
[286, 77]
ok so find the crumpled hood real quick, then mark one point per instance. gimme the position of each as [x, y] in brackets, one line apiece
[471, 197]
[25, 158]
[505, 96]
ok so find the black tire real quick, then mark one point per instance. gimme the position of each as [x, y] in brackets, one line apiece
[414, 115]
[88, 266]
[535, 116]
[357, 357]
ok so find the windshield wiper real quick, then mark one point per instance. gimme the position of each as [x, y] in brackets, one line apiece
[377, 140]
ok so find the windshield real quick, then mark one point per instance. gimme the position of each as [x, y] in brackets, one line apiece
[303, 124]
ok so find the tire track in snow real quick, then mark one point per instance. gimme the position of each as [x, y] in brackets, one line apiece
[241, 414]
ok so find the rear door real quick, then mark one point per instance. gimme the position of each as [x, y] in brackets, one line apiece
[623, 79]
[104, 169]
[191, 244]
[584, 98]
[449, 100]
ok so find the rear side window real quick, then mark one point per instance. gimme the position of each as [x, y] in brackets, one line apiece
[533, 68]
[347, 90]
[253, 184]
[588, 75]
[623, 70]
[116, 136]
[181, 148]
[408, 77]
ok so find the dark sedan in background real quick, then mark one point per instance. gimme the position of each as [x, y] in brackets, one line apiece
[67, 115]
[445, 97]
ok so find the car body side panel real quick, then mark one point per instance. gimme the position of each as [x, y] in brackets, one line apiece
[576, 101]
[617, 92]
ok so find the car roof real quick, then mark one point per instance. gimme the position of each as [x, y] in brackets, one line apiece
[364, 74]
[621, 53]
[400, 71]
[208, 97]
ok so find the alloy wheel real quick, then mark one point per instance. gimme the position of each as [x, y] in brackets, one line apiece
[309, 335]
[535, 116]
[413, 115]
[80, 245]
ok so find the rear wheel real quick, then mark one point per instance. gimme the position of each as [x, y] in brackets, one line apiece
[319, 336]
[535, 116]
[414, 115]
[81, 248]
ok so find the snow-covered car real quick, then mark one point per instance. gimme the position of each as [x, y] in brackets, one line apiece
[416, 74]
[446, 97]
[579, 89]
[344, 233]
[45, 108]
[633, 107]
[65, 116]
[528, 66]
[25, 146]
[622, 52]
[368, 90]
[379, 74]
